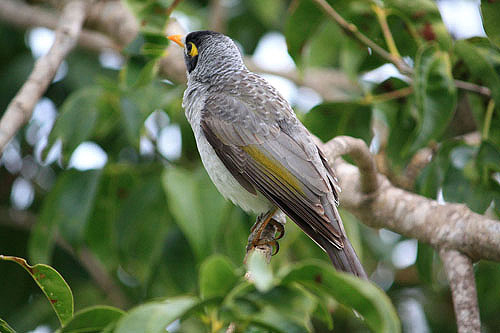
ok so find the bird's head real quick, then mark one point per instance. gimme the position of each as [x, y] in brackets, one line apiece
[208, 52]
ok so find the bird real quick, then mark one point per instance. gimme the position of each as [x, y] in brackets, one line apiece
[255, 150]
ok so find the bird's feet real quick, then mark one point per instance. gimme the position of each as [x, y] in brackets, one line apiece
[267, 230]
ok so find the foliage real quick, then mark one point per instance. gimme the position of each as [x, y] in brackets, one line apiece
[146, 242]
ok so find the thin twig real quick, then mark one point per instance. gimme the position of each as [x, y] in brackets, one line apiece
[487, 119]
[382, 20]
[460, 275]
[20, 109]
[395, 94]
[172, 7]
[353, 31]
[400, 64]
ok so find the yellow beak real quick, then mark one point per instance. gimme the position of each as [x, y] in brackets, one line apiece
[177, 39]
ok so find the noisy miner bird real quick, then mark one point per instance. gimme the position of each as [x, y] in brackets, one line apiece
[256, 151]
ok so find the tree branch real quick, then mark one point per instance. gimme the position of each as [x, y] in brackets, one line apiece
[23, 15]
[453, 226]
[21, 107]
[357, 149]
[460, 275]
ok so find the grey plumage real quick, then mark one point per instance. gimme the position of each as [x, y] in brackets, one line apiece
[254, 148]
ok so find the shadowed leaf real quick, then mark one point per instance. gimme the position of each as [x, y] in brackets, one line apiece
[53, 286]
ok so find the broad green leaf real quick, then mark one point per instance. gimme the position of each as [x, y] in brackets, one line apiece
[425, 262]
[5, 328]
[490, 11]
[141, 226]
[92, 320]
[154, 317]
[153, 17]
[133, 120]
[303, 21]
[260, 271]
[66, 209]
[295, 304]
[274, 320]
[479, 66]
[435, 95]
[217, 277]
[321, 46]
[459, 187]
[53, 286]
[364, 297]
[197, 207]
[147, 74]
[76, 120]
[425, 18]
[150, 14]
[431, 178]
[268, 11]
[328, 120]
[139, 101]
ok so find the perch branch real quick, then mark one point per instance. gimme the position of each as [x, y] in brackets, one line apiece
[21, 107]
[463, 290]
[449, 225]
[357, 149]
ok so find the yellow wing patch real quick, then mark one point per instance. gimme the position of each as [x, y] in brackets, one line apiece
[273, 167]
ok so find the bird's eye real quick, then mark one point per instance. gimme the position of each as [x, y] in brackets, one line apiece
[192, 49]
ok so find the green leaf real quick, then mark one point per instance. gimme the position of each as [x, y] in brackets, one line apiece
[148, 73]
[303, 21]
[490, 11]
[458, 187]
[479, 67]
[133, 120]
[66, 208]
[217, 277]
[5, 328]
[92, 320]
[425, 262]
[364, 297]
[150, 14]
[53, 286]
[154, 317]
[197, 207]
[435, 96]
[141, 226]
[260, 271]
[76, 120]
[425, 18]
[328, 120]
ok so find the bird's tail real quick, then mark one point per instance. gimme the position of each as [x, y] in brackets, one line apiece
[345, 259]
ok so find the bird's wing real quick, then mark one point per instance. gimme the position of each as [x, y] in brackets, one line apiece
[275, 155]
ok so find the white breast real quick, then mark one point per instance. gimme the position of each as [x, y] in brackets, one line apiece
[227, 185]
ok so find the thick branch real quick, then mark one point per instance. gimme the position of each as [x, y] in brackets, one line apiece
[23, 15]
[21, 107]
[357, 149]
[452, 226]
[460, 275]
